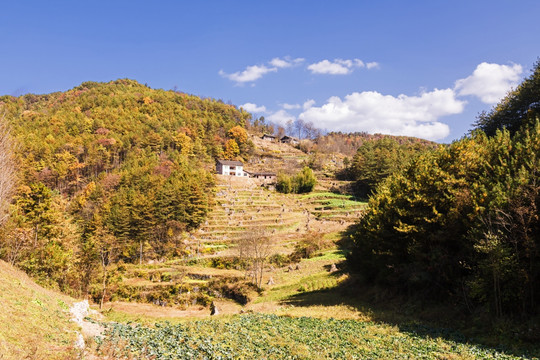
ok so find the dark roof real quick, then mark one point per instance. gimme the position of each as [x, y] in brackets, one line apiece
[288, 138]
[230, 162]
[267, 135]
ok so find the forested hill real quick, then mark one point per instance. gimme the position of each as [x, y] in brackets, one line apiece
[349, 143]
[111, 169]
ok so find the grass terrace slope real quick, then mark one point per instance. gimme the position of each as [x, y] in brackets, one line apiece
[34, 322]
[242, 206]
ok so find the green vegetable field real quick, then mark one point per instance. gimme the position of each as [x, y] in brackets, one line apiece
[258, 336]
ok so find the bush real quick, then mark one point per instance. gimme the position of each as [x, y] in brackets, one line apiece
[236, 289]
[279, 260]
[303, 182]
[284, 183]
[228, 263]
[308, 246]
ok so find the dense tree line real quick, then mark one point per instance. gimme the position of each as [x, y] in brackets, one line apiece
[462, 222]
[111, 171]
[378, 158]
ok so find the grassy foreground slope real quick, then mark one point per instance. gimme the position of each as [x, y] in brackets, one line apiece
[34, 322]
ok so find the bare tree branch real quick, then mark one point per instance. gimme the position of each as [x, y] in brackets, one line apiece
[255, 246]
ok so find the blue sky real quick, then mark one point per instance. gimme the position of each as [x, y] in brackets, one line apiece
[421, 68]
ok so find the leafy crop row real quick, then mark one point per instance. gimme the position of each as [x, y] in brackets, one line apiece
[258, 336]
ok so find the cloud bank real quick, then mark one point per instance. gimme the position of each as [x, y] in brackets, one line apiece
[281, 117]
[490, 82]
[250, 74]
[286, 62]
[374, 112]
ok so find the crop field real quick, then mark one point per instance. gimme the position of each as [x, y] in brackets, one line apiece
[263, 336]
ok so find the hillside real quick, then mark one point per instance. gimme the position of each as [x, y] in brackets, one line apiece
[111, 171]
[242, 207]
[35, 321]
[211, 253]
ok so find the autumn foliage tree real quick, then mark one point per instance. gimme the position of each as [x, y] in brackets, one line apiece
[376, 159]
[462, 222]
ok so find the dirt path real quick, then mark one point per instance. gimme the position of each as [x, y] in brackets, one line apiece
[150, 310]
[79, 311]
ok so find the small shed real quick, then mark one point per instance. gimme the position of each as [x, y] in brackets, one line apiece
[230, 167]
[268, 137]
[265, 176]
[289, 140]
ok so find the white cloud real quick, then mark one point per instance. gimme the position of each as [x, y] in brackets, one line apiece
[280, 117]
[373, 112]
[309, 103]
[490, 82]
[339, 66]
[372, 65]
[290, 106]
[253, 108]
[251, 73]
[285, 62]
[255, 72]
[327, 67]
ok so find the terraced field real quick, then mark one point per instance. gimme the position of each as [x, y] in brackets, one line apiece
[244, 207]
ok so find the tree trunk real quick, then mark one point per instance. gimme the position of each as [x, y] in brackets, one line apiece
[104, 287]
[140, 253]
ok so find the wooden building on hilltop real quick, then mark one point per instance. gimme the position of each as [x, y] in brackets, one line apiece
[265, 176]
[268, 137]
[289, 140]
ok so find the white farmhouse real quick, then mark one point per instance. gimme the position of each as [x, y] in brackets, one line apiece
[230, 167]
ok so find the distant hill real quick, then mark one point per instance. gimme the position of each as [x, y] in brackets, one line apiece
[348, 143]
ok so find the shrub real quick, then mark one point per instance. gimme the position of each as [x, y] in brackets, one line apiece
[284, 183]
[236, 289]
[303, 182]
[308, 246]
